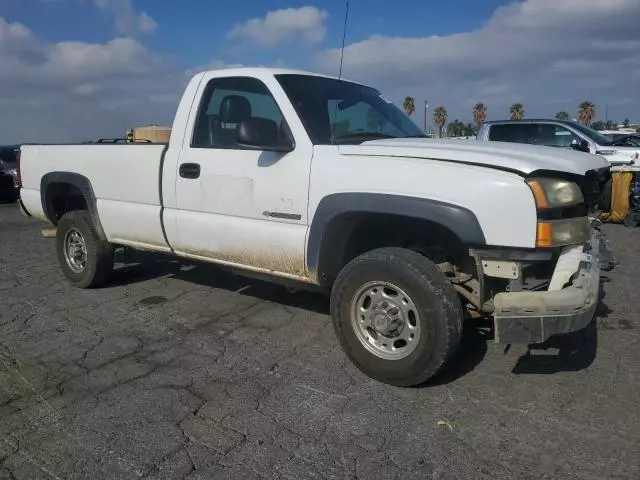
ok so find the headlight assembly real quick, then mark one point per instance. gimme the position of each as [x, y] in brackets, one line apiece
[554, 193]
[569, 231]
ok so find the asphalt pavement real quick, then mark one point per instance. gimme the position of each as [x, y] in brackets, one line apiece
[179, 370]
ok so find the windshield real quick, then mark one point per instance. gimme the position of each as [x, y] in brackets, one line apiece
[594, 136]
[625, 140]
[336, 111]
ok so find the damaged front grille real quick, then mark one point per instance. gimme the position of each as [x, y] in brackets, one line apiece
[596, 189]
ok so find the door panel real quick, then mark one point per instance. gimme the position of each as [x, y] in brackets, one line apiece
[226, 211]
[264, 245]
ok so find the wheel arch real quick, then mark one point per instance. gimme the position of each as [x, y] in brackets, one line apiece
[339, 217]
[62, 192]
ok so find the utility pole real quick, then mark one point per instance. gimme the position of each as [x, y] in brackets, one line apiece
[426, 108]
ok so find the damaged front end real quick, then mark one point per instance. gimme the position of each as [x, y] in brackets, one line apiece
[534, 294]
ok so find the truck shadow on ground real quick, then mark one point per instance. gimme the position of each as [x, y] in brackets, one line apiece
[140, 267]
[566, 353]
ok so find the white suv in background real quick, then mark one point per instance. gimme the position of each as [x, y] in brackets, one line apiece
[559, 133]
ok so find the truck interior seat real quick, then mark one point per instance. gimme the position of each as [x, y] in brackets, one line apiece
[233, 110]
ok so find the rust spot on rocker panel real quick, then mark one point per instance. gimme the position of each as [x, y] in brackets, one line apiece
[262, 259]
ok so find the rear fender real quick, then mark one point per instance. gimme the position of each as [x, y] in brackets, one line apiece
[83, 184]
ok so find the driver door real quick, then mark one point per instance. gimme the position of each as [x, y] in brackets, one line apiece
[236, 205]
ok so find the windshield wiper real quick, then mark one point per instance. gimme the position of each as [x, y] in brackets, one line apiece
[358, 135]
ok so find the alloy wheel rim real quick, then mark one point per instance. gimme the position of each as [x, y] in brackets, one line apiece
[75, 250]
[385, 320]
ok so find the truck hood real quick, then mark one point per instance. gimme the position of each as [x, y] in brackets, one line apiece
[521, 158]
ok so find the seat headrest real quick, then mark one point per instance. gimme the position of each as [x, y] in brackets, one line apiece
[234, 109]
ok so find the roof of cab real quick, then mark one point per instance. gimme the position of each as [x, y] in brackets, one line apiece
[262, 71]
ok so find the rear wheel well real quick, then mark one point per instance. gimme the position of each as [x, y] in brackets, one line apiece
[352, 234]
[63, 197]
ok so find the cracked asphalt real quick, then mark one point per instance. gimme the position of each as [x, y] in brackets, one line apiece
[180, 370]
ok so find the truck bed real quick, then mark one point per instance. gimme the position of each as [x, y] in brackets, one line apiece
[125, 180]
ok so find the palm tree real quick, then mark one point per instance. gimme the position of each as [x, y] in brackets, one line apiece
[455, 129]
[409, 105]
[440, 118]
[516, 111]
[479, 113]
[586, 113]
[470, 130]
[562, 116]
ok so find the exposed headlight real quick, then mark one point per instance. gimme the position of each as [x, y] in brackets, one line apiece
[556, 233]
[553, 193]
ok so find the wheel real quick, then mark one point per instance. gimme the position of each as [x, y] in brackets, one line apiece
[86, 260]
[396, 316]
[631, 220]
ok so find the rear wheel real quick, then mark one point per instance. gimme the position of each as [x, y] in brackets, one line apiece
[85, 259]
[396, 315]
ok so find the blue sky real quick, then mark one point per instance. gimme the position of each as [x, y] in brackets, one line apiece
[78, 68]
[194, 31]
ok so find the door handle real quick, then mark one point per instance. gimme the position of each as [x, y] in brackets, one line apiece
[189, 170]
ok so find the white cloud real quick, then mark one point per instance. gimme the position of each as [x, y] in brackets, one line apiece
[548, 54]
[280, 26]
[75, 91]
[127, 20]
[72, 91]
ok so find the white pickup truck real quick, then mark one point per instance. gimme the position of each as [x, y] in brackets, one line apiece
[321, 180]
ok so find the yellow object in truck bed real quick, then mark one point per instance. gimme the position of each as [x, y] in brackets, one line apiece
[620, 185]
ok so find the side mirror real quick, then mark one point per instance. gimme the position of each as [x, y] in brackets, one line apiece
[262, 134]
[580, 145]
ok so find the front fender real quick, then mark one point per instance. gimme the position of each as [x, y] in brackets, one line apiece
[459, 220]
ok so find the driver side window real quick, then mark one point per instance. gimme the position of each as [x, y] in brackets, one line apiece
[563, 137]
[226, 103]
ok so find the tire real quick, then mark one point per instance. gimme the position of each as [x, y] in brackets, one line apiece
[437, 316]
[98, 253]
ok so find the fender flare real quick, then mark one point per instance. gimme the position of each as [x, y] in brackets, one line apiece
[459, 220]
[82, 183]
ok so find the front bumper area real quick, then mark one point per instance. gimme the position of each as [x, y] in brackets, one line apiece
[534, 317]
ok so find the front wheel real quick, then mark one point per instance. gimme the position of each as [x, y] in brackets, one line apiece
[396, 316]
[84, 257]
